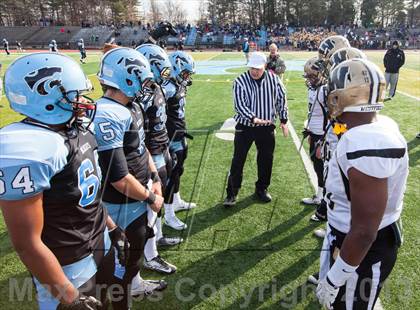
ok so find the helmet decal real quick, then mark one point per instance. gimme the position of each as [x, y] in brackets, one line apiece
[44, 79]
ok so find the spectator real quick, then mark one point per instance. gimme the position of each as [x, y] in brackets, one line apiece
[394, 59]
[275, 64]
[245, 49]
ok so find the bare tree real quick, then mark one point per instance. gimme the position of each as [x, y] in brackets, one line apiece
[155, 13]
[175, 12]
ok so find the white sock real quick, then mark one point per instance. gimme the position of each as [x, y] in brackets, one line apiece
[159, 233]
[320, 192]
[177, 197]
[169, 210]
[150, 249]
[136, 280]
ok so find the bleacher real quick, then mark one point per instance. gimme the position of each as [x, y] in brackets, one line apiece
[92, 37]
[18, 33]
[44, 36]
[228, 40]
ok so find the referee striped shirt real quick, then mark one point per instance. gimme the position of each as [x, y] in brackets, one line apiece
[264, 99]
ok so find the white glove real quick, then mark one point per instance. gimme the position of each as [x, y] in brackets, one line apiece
[326, 293]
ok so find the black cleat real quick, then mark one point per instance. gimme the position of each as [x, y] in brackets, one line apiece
[263, 195]
[230, 201]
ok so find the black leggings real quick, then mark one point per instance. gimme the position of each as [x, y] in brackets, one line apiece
[317, 162]
[174, 181]
[137, 233]
[104, 278]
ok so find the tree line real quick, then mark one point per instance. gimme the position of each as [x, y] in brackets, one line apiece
[294, 12]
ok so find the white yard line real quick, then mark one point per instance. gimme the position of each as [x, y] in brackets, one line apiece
[305, 158]
[408, 95]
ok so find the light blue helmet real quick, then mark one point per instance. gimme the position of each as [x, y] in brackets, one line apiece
[158, 60]
[54, 42]
[125, 69]
[183, 66]
[46, 87]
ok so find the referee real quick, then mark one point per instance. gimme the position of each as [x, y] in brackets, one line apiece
[259, 96]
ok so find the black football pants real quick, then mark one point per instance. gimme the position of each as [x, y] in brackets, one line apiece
[264, 139]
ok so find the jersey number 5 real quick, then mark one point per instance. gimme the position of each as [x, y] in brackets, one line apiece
[88, 183]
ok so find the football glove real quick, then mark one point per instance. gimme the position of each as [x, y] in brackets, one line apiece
[326, 293]
[82, 303]
[120, 242]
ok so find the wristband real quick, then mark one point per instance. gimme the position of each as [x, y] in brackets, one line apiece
[155, 176]
[151, 199]
[340, 272]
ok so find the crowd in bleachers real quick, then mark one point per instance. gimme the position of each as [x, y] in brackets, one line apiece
[233, 35]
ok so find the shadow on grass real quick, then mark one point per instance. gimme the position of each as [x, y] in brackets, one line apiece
[414, 156]
[279, 285]
[225, 266]
[5, 245]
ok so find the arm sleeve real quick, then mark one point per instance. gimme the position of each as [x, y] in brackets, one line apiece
[281, 103]
[114, 164]
[241, 102]
[110, 131]
[21, 179]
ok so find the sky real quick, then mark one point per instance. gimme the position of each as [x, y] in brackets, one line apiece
[190, 6]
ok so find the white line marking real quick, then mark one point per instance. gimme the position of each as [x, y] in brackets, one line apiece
[305, 158]
[408, 95]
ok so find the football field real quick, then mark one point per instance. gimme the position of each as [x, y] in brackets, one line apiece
[253, 255]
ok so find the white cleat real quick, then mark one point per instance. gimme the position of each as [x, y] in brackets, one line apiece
[320, 233]
[312, 201]
[174, 222]
[148, 287]
[182, 205]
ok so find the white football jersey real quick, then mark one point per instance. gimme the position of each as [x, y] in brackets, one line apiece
[317, 110]
[378, 150]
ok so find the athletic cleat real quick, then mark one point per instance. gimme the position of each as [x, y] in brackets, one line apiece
[230, 201]
[314, 278]
[183, 205]
[148, 287]
[174, 222]
[317, 217]
[159, 265]
[320, 233]
[314, 201]
[169, 241]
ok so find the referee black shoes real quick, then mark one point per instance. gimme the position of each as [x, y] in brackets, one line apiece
[230, 201]
[263, 195]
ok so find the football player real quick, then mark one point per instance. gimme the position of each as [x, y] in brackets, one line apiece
[131, 183]
[365, 186]
[330, 140]
[328, 47]
[6, 46]
[53, 46]
[317, 122]
[183, 68]
[157, 142]
[50, 185]
[82, 50]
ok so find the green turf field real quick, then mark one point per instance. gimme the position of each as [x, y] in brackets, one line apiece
[254, 255]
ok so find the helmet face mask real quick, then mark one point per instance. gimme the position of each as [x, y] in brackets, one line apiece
[355, 85]
[313, 73]
[183, 67]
